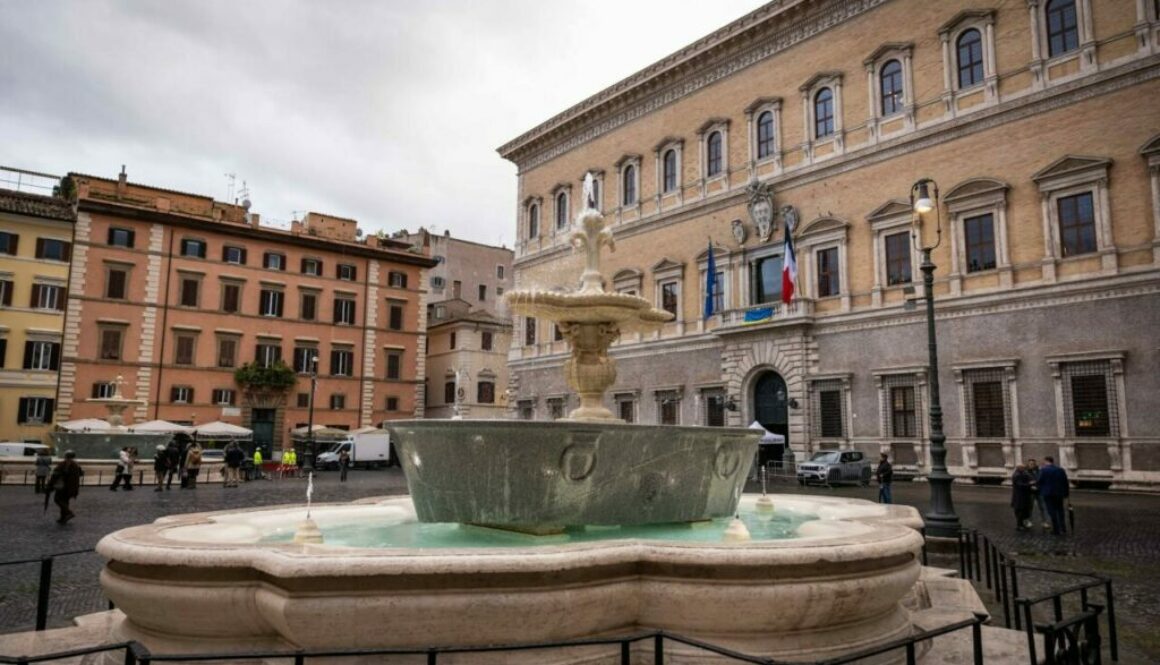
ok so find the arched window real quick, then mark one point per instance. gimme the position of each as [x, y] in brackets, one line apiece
[713, 154]
[629, 185]
[765, 135]
[823, 113]
[533, 221]
[670, 171]
[1062, 27]
[596, 204]
[970, 49]
[561, 210]
[890, 85]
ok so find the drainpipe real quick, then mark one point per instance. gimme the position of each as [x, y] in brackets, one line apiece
[164, 320]
[366, 318]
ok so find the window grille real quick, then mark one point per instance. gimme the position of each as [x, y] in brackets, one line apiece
[556, 408]
[827, 409]
[901, 406]
[988, 411]
[1089, 392]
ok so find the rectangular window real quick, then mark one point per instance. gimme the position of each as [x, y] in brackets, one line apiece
[347, 272]
[557, 333]
[190, 292]
[451, 341]
[185, 347]
[485, 341]
[1077, 224]
[274, 261]
[1089, 402]
[529, 331]
[830, 413]
[398, 280]
[235, 255]
[714, 409]
[394, 364]
[308, 307]
[266, 355]
[41, 355]
[111, 343]
[9, 243]
[828, 282]
[193, 248]
[669, 300]
[902, 413]
[312, 267]
[482, 292]
[231, 297]
[555, 408]
[766, 280]
[104, 389]
[1062, 28]
[181, 395]
[527, 409]
[270, 303]
[449, 392]
[669, 408]
[3, 351]
[979, 238]
[121, 237]
[987, 403]
[626, 409]
[337, 401]
[344, 311]
[47, 296]
[897, 258]
[35, 410]
[499, 272]
[6, 287]
[223, 397]
[392, 404]
[227, 352]
[438, 283]
[52, 249]
[485, 392]
[718, 291]
[116, 281]
[395, 318]
[303, 400]
[341, 362]
[456, 289]
[304, 359]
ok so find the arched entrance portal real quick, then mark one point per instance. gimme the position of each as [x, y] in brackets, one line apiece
[771, 409]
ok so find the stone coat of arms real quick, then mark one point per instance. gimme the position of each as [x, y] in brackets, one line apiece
[761, 209]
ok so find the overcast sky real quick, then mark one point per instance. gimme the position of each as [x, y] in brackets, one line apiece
[387, 111]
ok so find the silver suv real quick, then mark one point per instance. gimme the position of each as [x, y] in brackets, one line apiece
[830, 467]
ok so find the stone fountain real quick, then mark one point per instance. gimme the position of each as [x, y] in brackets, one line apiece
[104, 444]
[604, 528]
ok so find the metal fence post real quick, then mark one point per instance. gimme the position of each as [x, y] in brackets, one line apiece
[1111, 603]
[625, 653]
[911, 657]
[42, 593]
[978, 559]
[977, 640]
[1030, 630]
[432, 656]
[659, 648]
[987, 558]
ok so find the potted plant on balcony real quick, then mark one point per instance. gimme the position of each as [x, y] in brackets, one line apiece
[265, 382]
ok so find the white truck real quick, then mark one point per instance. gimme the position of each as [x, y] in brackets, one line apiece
[367, 449]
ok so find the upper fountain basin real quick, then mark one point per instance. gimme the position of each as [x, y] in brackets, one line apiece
[630, 312]
[545, 475]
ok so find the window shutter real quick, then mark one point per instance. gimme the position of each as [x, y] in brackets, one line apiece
[8, 294]
[225, 252]
[62, 298]
[40, 248]
[280, 300]
[302, 265]
[333, 362]
[54, 356]
[336, 316]
[67, 254]
[34, 298]
[243, 256]
[49, 408]
[132, 238]
[354, 273]
[3, 351]
[173, 394]
[20, 415]
[27, 361]
[13, 244]
[96, 390]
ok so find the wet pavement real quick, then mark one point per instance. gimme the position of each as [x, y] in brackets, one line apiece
[1116, 535]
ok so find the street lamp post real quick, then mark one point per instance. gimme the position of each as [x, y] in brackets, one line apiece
[941, 519]
[308, 464]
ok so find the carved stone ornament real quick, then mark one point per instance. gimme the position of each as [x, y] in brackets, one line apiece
[761, 209]
[739, 231]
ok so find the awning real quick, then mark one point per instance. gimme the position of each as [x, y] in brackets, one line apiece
[91, 424]
[159, 427]
[769, 437]
[220, 430]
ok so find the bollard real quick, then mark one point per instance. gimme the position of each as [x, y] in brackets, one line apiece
[659, 649]
[42, 593]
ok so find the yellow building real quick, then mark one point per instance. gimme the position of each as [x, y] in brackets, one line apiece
[1040, 123]
[36, 233]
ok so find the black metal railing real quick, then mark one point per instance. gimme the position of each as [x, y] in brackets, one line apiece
[982, 561]
[44, 582]
[137, 654]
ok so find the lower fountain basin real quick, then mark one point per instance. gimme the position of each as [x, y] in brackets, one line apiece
[208, 582]
[543, 476]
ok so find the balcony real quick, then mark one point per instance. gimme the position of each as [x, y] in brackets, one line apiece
[745, 319]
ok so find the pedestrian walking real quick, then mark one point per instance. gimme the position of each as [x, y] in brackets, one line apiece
[124, 470]
[1021, 498]
[192, 466]
[885, 475]
[258, 462]
[160, 466]
[343, 464]
[1054, 487]
[43, 469]
[65, 484]
[183, 443]
[173, 461]
[1033, 470]
[234, 457]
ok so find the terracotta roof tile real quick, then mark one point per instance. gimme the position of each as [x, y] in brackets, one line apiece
[35, 205]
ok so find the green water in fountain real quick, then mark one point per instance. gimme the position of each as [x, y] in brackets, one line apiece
[781, 525]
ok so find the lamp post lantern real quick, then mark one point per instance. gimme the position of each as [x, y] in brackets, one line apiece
[941, 519]
[308, 463]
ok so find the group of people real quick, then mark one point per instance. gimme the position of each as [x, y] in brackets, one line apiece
[181, 459]
[1045, 487]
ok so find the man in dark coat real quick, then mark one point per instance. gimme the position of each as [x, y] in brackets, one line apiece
[160, 466]
[885, 474]
[1054, 488]
[173, 459]
[65, 484]
[1021, 499]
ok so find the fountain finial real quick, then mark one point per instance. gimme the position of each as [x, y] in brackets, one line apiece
[590, 234]
[117, 383]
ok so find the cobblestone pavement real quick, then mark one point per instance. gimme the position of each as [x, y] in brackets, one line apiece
[1116, 535]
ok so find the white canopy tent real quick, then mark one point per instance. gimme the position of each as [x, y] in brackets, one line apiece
[159, 427]
[769, 437]
[321, 432]
[90, 424]
[220, 430]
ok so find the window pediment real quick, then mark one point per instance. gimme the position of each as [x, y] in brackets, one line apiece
[891, 209]
[628, 274]
[760, 102]
[822, 225]
[966, 16]
[712, 123]
[596, 173]
[888, 48]
[1152, 147]
[667, 265]
[628, 158]
[718, 252]
[529, 201]
[974, 188]
[820, 78]
[669, 142]
[561, 187]
[1070, 165]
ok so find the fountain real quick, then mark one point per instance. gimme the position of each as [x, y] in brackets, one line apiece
[519, 532]
[104, 443]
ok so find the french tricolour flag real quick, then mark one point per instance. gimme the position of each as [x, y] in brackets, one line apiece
[788, 267]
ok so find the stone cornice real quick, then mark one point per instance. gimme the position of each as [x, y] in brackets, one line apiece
[750, 39]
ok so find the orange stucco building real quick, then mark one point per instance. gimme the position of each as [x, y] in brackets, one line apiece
[175, 291]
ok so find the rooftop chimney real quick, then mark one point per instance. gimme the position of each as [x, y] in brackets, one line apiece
[122, 183]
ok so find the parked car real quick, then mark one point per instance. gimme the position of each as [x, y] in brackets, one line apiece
[213, 454]
[830, 467]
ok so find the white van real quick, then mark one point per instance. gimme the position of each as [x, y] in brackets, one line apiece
[14, 449]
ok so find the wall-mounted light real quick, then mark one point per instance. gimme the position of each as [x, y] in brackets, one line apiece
[731, 403]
